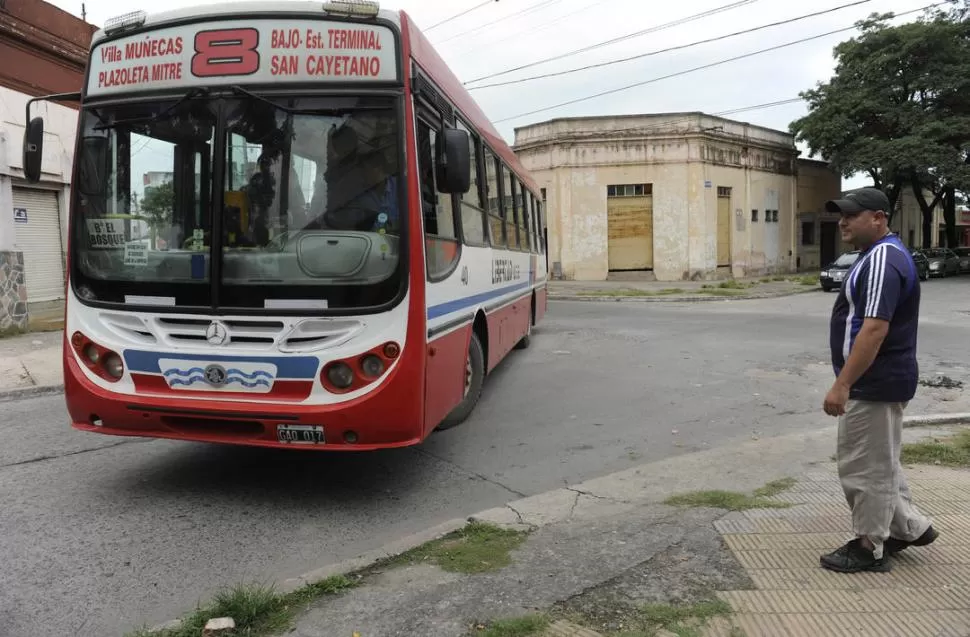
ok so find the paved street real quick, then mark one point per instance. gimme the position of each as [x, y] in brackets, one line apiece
[102, 534]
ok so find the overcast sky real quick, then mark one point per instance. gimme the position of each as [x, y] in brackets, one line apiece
[492, 39]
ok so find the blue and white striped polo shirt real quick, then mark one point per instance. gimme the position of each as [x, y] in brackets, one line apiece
[883, 283]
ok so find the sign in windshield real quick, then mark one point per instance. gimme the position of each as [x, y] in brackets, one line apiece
[250, 51]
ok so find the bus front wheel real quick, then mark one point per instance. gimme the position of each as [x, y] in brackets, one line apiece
[474, 379]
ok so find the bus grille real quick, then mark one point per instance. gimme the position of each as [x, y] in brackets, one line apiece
[184, 332]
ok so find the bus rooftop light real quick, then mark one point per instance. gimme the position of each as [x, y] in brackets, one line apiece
[352, 8]
[125, 22]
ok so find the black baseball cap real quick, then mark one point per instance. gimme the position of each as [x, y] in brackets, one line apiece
[859, 200]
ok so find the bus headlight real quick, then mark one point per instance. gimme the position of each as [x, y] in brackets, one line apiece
[113, 365]
[91, 352]
[340, 375]
[372, 366]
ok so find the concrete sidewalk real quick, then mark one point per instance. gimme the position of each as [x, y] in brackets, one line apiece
[598, 552]
[31, 364]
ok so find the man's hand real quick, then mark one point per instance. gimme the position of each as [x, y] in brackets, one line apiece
[836, 399]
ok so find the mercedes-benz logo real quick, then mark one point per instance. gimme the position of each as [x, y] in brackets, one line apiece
[217, 333]
[215, 375]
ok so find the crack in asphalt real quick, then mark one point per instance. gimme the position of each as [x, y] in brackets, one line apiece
[470, 473]
[21, 463]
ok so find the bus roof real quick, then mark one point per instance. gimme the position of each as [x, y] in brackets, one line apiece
[224, 9]
[421, 49]
[427, 58]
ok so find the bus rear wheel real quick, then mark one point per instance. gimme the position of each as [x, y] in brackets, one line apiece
[474, 373]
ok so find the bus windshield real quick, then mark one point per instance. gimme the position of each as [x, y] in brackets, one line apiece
[310, 203]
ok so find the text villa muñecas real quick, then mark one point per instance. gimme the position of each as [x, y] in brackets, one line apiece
[278, 61]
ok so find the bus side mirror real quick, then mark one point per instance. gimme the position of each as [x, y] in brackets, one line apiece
[33, 149]
[93, 166]
[454, 161]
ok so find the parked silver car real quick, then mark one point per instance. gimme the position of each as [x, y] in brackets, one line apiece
[943, 262]
[964, 254]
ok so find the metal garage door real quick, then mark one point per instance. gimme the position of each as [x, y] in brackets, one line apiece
[39, 238]
[630, 232]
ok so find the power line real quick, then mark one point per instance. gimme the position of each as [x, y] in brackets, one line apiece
[458, 15]
[661, 27]
[667, 50]
[700, 68]
[534, 30]
[496, 21]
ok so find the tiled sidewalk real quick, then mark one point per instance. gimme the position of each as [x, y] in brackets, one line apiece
[927, 594]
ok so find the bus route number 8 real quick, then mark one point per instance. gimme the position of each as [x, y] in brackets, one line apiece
[226, 52]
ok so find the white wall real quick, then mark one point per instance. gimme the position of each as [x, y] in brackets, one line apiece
[60, 132]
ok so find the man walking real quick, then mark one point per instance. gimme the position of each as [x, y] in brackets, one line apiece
[873, 340]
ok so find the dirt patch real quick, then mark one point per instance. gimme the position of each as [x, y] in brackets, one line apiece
[681, 577]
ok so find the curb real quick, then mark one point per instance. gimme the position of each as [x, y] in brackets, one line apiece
[936, 419]
[673, 298]
[31, 392]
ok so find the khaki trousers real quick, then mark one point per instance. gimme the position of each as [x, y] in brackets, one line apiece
[869, 445]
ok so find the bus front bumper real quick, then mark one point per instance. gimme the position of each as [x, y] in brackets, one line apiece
[366, 424]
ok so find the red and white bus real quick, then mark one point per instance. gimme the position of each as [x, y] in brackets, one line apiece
[291, 226]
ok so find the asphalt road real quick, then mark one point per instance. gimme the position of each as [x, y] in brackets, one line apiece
[99, 535]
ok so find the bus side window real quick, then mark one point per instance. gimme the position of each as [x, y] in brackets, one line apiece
[508, 212]
[495, 223]
[440, 236]
[530, 221]
[472, 210]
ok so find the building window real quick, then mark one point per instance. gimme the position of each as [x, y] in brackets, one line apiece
[774, 216]
[912, 238]
[542, 191]
[754, 215]
[723, 191]
[808, 233]
[627, 190]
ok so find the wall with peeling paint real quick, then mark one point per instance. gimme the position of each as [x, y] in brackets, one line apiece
[817, 183]
[686, 157]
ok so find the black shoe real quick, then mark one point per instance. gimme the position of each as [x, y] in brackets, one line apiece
[854, 558]
[893, 546]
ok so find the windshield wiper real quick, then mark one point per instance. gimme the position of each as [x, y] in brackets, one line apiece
[191, 93]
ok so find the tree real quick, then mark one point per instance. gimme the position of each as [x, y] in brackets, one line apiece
[157, 205]
[898, 108]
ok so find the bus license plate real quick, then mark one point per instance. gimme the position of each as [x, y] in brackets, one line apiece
[300, 434]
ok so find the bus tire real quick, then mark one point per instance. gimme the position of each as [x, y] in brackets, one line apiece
[475, 379]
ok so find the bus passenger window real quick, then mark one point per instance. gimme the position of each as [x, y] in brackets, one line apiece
[495, 223]
[437, 209]
[472, 209]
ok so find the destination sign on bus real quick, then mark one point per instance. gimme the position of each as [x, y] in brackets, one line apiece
[251, 51]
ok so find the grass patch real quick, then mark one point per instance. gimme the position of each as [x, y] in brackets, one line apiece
[721, 292]
[257, 610]
[685, 621]
[476, 548]
[949, 452]
[775, 487]
[734, 501]
[11, 331]
[630, 292]
[515, 627]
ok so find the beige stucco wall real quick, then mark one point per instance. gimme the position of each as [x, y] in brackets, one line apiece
[686, 158]
[817, 183]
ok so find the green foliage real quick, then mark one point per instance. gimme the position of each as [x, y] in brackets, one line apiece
[898, 107]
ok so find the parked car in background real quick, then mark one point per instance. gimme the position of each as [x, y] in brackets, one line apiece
[832, 275]
[943, 261]
[964, 256]
[922, 265]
